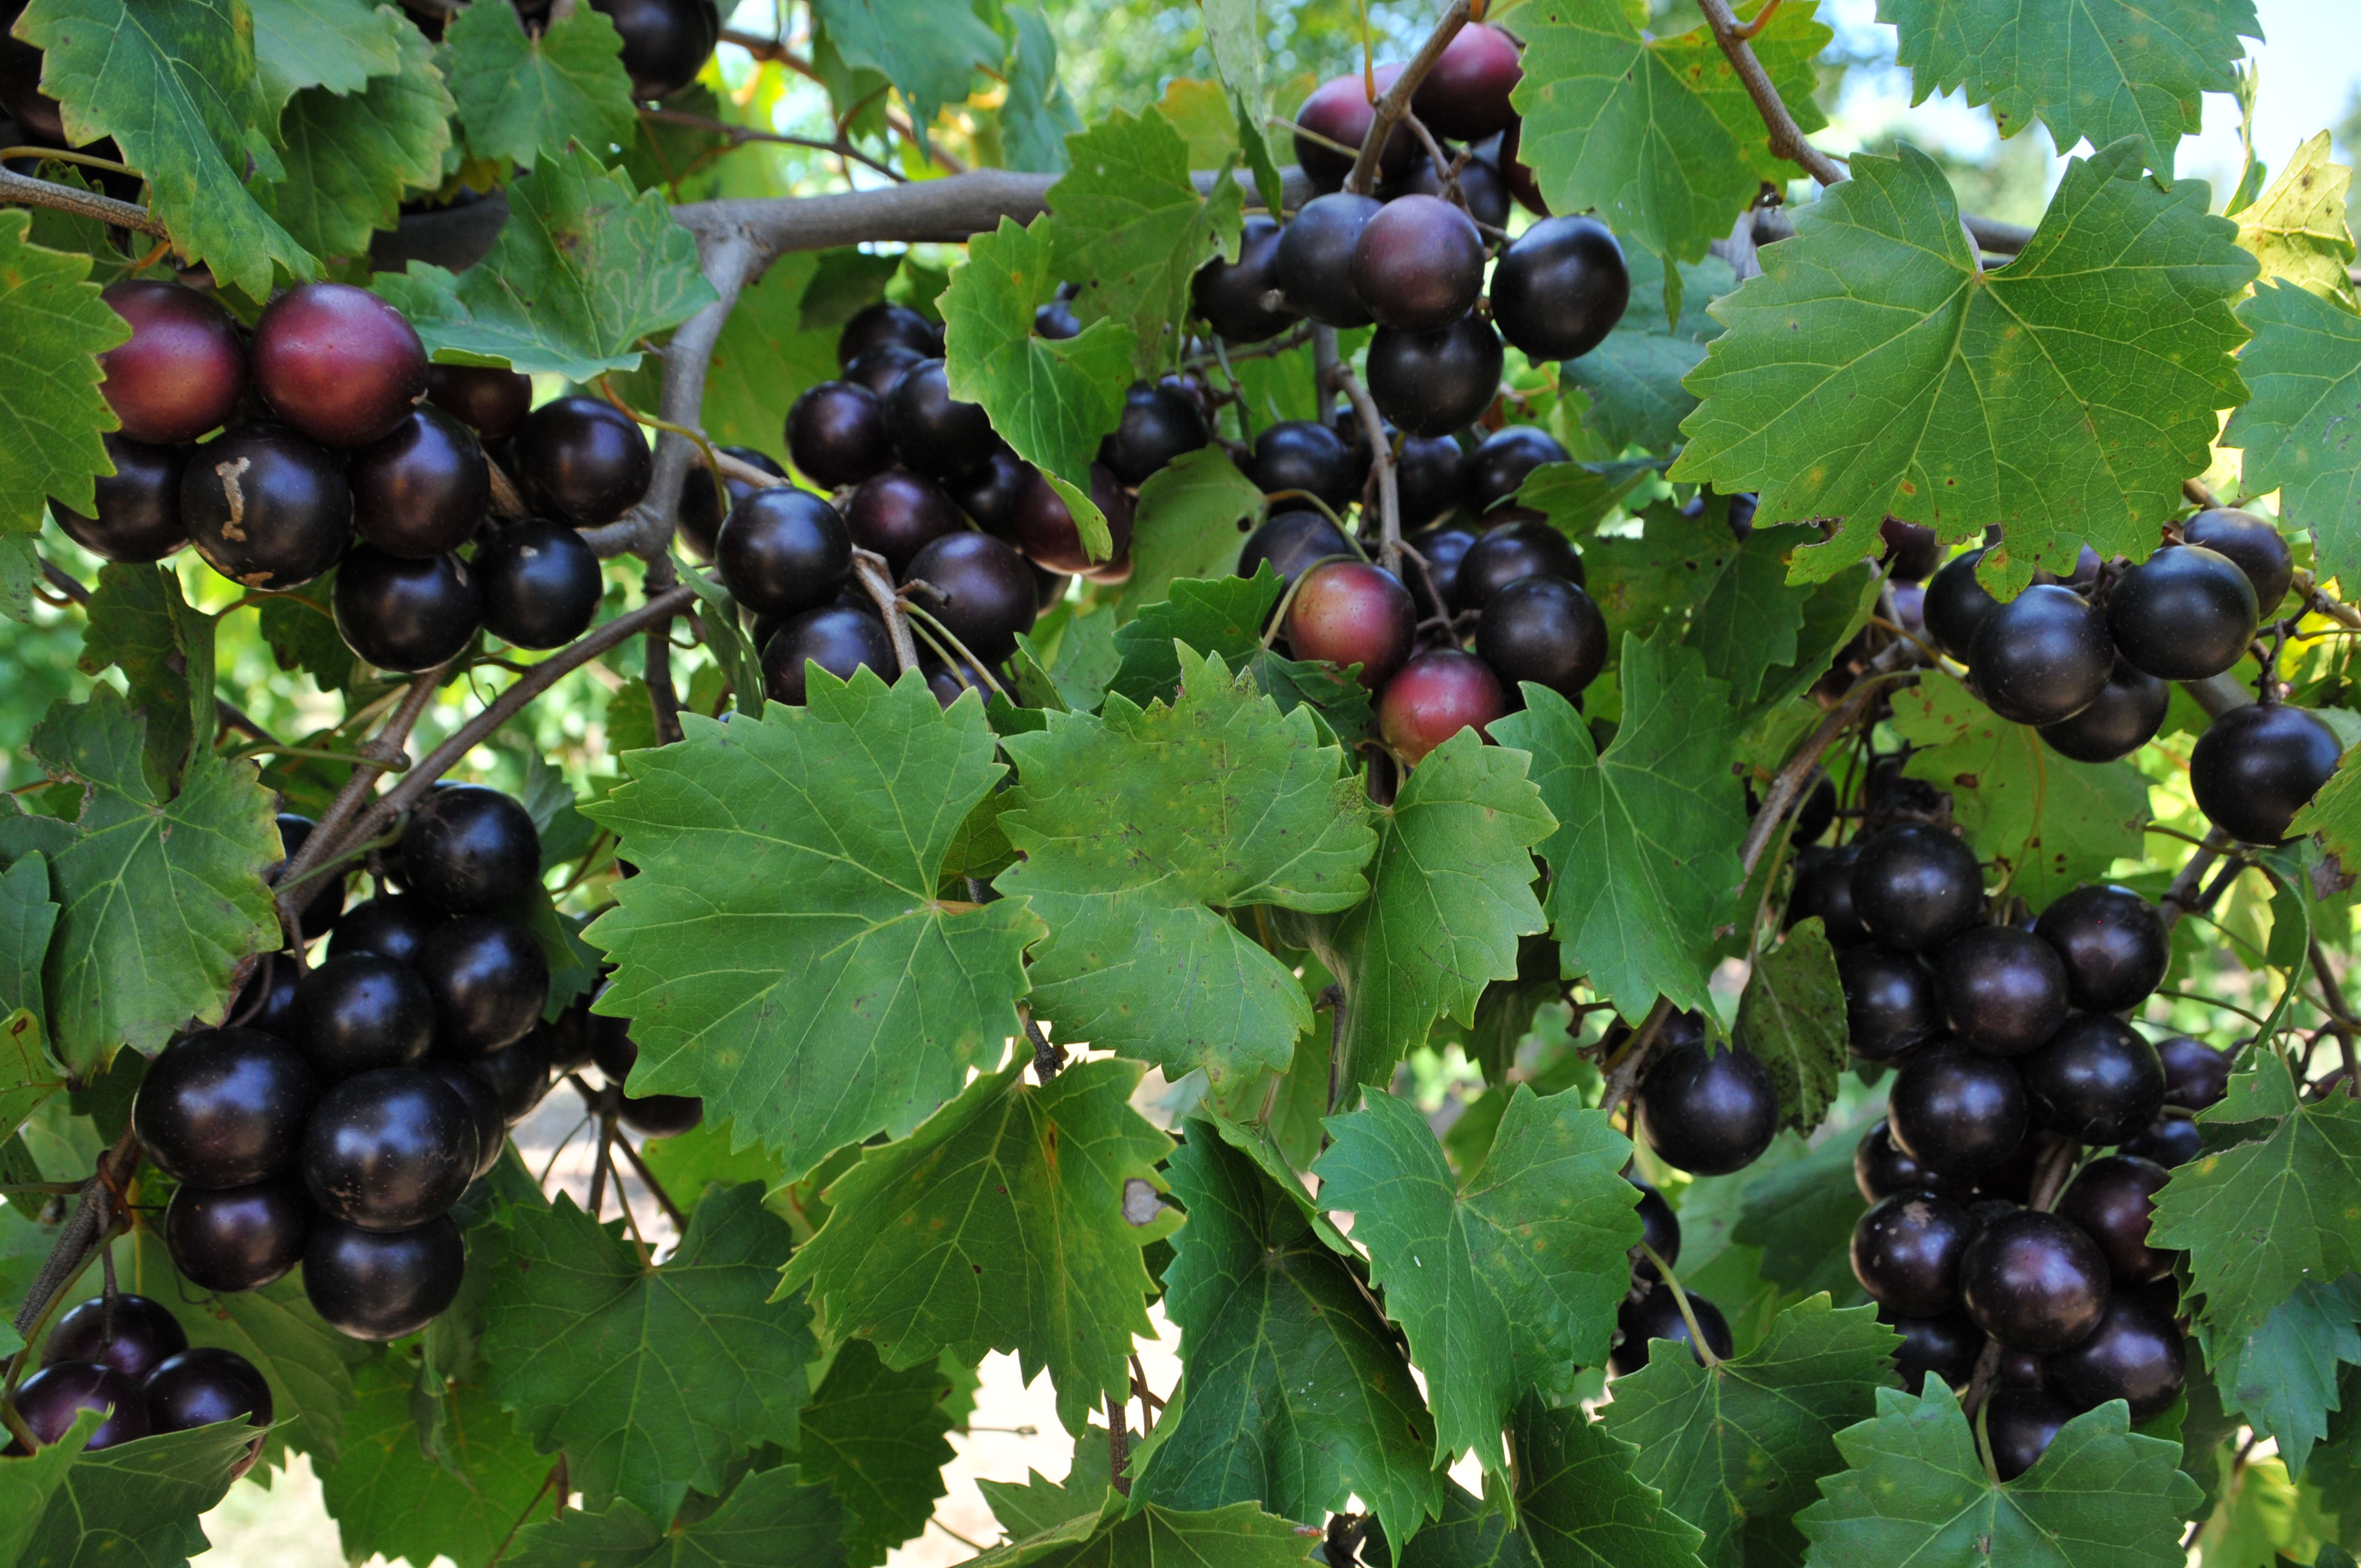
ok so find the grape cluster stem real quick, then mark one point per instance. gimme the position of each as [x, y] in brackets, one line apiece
[1787, 137]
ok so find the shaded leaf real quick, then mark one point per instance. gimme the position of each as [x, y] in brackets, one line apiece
[136, 1505]
[139, 622]
[351, 158]
[771, 1519]
[1792, 1018]
[54, 326]
[1634, 377]
[389, 1495]
[876, 1437]
[2302, 429]
[526, 98]
[1187, 526]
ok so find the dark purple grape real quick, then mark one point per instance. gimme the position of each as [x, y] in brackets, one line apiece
[50, 1399]
[406, 615]
[1824, 889]
[182, 372]
[1945, 1347]
[2195, 1074]
[422, 490]
[1881, 1170]
[2183, 614]
[1905, 1253]
[1430, 473]
[2135, 1354]
[237, 1238]
[484, 1111]
[1910, 550]
[325, 902]
[2120, 720]
[662, 1116]
[1892, 1006]
[373, 1285]
[1291, 541]
[2020, 1424]
[697, 518]
[2097, 1080]
[490, 980]
[1430, 383]
[2256, 767]
[1465, 95]
[266, 507]
[137, 509]
[1340, 110]
[582, 461]
[878, 369]
[1314, 263]
[390, 1150]
[2114, 944]
[1482, 193]
[1418, 263]
[2034, 1281]
[979, 587]
[133, 1335]
[934, 432]
[1560, 288]
[1229, 294]
[538, 583]
[1657, 1315]
[989, 495]
[1305, 455]
[897, 513]
[2011, 1179]
[885, 324]
[362, 1011]
[1957, 605]
[1508, 551]
[338, 363]
[1160, 422]
[2167, 1141]
[1056, 320]
[518, 1073]
[1502, 462]
[2257, 547]
[197, 1387]
[2112, 1200]
[1916, 887]
[469, 850]
[784, 551]
[396, 924]
[839, 640]
[1544, 629]
[665, 42]
[1044, 528]
[1444, 547]
[837, 434]
[1706, 1111]
[2042, 657]
[1660, 1229]
[1350, 612]
[1956, 1111]
[224, 1107]
[491, 401]
[1815, 815]
[2004, 990]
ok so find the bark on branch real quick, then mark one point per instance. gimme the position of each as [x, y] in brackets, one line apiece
[1787, 137]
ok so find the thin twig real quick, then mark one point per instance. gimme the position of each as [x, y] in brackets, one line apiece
[1118, 1445]
[2181, 898]
[655, 1188]
[338, 829]
[82, 1234]
[1381, 469]
[877, 581]
[1787, 138]
[656, 666]
[1395, 101]
[1787, 786]
[24, 191]
[740, 135]
[1688, 1315]
[1624, 1071]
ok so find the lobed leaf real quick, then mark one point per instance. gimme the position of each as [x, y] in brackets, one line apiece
[1792, 1018]
[352, 157]
[52, 327]
[390, 1497]
[530, 98]
[2302, 431]
[773, 1516]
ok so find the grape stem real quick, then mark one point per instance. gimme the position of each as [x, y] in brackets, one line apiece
[655, 668]
[1688, 1314]
[328, 843]
[1395, 103]
[878, 583]
[2181, 897]
[1787, 138]
[1381, 466]
[739, 135]
[88, 1228]
[1624, 1070]
[1787, 787]
[23, 189]
[1118, 1444]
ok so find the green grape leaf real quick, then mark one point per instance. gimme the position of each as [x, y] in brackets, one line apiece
[2063, 397]
[351, 158]
[1127, 225]
[928, 48]
[1037, 116]
[1748, 624]
[1579, 1506]
[1451, 889]
[2261, 1217]
[1012, 1221]
[1050, 399]
[2045, 823]
[1735, 1447]
[528, 98]
[1507, 1283]
[1224, 617]
[136, 1505]
[2102, 1496]
[1187, 526]
[1634, 377]
[2100, 70]
[300, 629]
[2296, 229]
[158, 899]
[177, 84]
[877, 1436]
[771, 1518]
[388, 1496]
[1294, 1394]
[1643, 865]
[1801, 1215]
[52, 327]
[2282, 1378]
[28, 1484]
[338, 45]
[1658, 135]
[1792, 1017]
[581, 271]
[2302, 431]
[1240, 1536]
[139, 622]
[1138, 827]
[1038, 1506]
[770, 351]
[653, 1380]
[27, 1075]
[2335, 812]
[814, 839]
[1578, 497]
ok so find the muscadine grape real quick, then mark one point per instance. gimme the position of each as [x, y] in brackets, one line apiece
[489, 401]
[201, 1386]
[422, 490]
[48, 1400]
[470, 850]
[396, 924]
[1430, 472]
[39, 116]
[326, 902]
[266, 507]
[1502, 463]
[390, 1150]
[2097, 1080]
[1891, 1005]
[2183, 614]
[182, 372]
[2034, 1281]
[2043, 656]
[837, 433]
[879, 367]
[1314, 263]
[1305, 455]
[1350, 612]
[988, 495]
[133, 1335]
[1444, 547]
[1161, 421]
[538, 583]
[1824, 890]
[1430, 383]
[662, 1116]
[1906, 1251]
[1660, 1230]
[1482, 193]
[2114, 944]
[1945, 1347]
[2167, 1141]
[1342, 110]
[2112, 1200]
[882, 324]
[1910, 548]
[1881, 1170]
[372, 1285]
[1230, 294]
[237, 1238]
[406, 615]
[1657, 1315]
[360, 1011]
[896, 513]
[1708, 1111]
[1044, 527]
[490, 980]
[2259, 550]
[935, 434]
[1056, 320]
[1957, 1112]
[582, 460]
[484, 1113]
[1916, 887]
[224, 1107]
[338, 363]
[518, 1073]
[1544, 629]
[696, 520]
[979, 587]
[665, 42]
[1957, 605]
[1289, 542]
[2004, 990]
[1465, 95]
[2133, 1355]
[2195, 1074]
[786, 551]
[136, 510]
[1418, 263]
[2256, 767]
[1433, 697]
[1560, 288]
[267, 1001]
[838, 640]
[2124, 717]
[2020, 1424]
[1508, 551]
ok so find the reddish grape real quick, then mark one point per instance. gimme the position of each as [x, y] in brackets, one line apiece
[1434, 696]
[1350, 612]
[1341, 110]
[1418, 264]
[1464, 96]
[339, 363]
[184, 369]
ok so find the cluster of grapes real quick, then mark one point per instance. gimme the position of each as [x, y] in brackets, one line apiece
[2089, 662]
[349, 1107]
[322, 437]
[126, 1358]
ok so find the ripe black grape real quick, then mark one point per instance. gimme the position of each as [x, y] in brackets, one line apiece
[582, 461]
[1482, 191]
[2112, 1200]
[665, 42]
[1435, 695]
[2167, 1141]
[266, 507]
[1502, 463]
[2004, 990]
[979, 587]
[1881, 1170]
[406, 615]
[934, 432]
[1418, 264]
[838, 640]
[2257, 547]
[133, 1335]
[2097, 1080]
[2133, 1355]
[1430, 473]
[2043, 656]
[1508, 551]
[1957, 1112]
[1544, 629]
[518, 1073]
[224, 1107]
[1910, 548]
[2114, 944]
[2256, 767]
[2195, 1074]
[784, 551]
[1957, 605]
[50, 1399]
[1944, 1347]
[883, 324]
[989, 495]
[135, 512]
[1315, 259]
[490, 980]
[2122, 718]
[237, 1238]
[375, 1285]
[2183, 614]
[538, 583]
[1044, 528]
[837, 433]
[1906, 1251]
[183, 370]
[1305, 455]
[1444, 547]
[1708, 1112]
[485, 1113]
[696, 520]
[338, 363]
[1657, 1315]
[1161, 421]
[2034, 1281]
[389, 1150]
[489, 401]
[1229, 294]
[1350, 612]
[878, 369]
[2020, 1424]
[662, 1116]
[1340, 110]
[1824, 889]
[1916, 887]
[1560, 288]
[197, 1387]
[896, 513]
[361, 1011]
[1891, 1005]
[396, 924]
[1464, 96]
[422, 490]
[1430, 383]
[1660, 1230]
[1291, 541]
